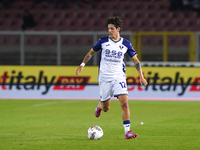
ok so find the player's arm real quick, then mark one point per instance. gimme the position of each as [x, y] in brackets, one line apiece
[87, 57]
[139, 69]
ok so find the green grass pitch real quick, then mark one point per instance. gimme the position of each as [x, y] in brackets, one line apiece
[63, 125]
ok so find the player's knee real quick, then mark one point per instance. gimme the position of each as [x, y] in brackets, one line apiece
[106, 108]
[124, 104]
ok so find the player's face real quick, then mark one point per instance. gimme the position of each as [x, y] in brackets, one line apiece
[113, 31]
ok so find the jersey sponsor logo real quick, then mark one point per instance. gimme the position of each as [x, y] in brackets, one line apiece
[31, 82]
[113, 54]
[156, 83]
[112, 60]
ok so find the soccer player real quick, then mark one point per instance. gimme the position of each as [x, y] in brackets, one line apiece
[112, 77]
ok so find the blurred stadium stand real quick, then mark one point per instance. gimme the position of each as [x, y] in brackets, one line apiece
[143, 13]
[138, 15]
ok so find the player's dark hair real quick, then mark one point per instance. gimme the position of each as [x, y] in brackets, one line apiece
[115, 20]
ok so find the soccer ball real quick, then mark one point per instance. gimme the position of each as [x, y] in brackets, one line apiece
[95, 133]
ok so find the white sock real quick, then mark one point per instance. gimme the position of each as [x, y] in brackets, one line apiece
[127, 125]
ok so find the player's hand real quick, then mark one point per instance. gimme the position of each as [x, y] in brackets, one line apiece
[143, 81]
[80, 68]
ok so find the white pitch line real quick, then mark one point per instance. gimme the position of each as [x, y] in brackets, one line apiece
[43, 104]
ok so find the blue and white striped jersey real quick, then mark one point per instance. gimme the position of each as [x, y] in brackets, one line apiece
[111, 59]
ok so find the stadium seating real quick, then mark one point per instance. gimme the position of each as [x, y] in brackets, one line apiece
[138, 15]
[34, 40]
[49, 40]
[135, 10]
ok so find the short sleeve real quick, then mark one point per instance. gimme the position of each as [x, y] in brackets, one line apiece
[98, 45]
[130, 50]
